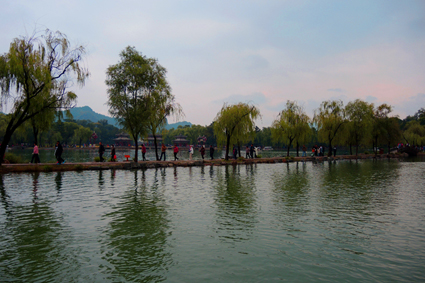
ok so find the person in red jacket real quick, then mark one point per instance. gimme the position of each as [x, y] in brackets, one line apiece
[176, 150]
[143, 152]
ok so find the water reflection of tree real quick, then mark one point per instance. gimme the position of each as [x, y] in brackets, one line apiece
[235, 199]
[352, 195]
[134, 243]
[290, 191]
[32, 241]
[358, 185]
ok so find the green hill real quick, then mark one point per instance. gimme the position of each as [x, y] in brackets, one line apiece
[86, 113]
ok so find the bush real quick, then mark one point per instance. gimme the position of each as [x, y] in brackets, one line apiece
[12, 158]
[97, 159]
[78, 167]
[241, 158]
[366, 152]
[47, 168]
[259, 156]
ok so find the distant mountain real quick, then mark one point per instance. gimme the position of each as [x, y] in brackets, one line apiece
[86, 113]
[176, 125]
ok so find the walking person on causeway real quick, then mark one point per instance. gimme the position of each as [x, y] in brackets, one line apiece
[58, 153]
[143, 152]
[101, 151]
[35, 154]
[176, 150]
[113, 157]
[202, 150]
[211, 152]
[163, 149]
[190, 152]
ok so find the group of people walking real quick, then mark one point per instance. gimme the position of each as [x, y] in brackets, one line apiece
[191, 151]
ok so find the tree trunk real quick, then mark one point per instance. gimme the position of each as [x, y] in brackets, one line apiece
[351, 150]
[357, 149]
[35, 132]
[136, 153]
[226, 157]
[298, 149]
[239, 148]
[156, 147]
[4, 143]
[289, 146]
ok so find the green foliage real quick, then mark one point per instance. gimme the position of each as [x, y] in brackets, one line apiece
[234, 124]
[415, 133]
[35, 75]
[359, 125]
[329, 119]
[291, 125]
[97, 159]
[47, 168]
[12, 158]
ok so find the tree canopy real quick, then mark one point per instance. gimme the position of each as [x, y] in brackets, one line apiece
[234, 123]
[329, 119]
[291, 124]
[35, 76]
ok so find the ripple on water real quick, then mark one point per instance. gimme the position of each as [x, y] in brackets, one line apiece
[329, 221]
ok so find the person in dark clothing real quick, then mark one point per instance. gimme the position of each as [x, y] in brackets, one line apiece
[211, 152]
[334, 151]
[251, 151]
[113, 153]
[101, 151]
[234, 151]
[202, 151]
[58, 153]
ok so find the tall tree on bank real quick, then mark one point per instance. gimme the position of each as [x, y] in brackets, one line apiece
[233, 122]
[291, 125]
[329, 119]
[35, 76]
[129, 87]
[360, 118]
[161, 101]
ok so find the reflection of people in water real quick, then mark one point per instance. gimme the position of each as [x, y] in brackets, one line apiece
[35, 184]
[58, 180]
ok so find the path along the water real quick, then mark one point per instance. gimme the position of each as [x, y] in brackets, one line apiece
[127, 165]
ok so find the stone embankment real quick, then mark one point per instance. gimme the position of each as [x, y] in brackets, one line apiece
[128, 165]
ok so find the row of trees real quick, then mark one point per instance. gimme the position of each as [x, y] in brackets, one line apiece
[36, 73]
[358, 123]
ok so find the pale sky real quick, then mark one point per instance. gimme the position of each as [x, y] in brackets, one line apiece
[263, 52]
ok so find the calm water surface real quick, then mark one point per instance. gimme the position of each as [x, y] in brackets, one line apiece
[340, 222]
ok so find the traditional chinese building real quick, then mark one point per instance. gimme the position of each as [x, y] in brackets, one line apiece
[123, 139]
[151, 140]
[181, 141]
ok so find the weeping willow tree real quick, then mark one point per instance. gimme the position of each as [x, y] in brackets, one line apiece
[291, 126]
[235, 124]
[129, 85]
[414, 134]
[162, 102]
[359, 122]
[35, 76]
[329, 119]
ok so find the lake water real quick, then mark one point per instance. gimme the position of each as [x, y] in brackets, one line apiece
[344, 221]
